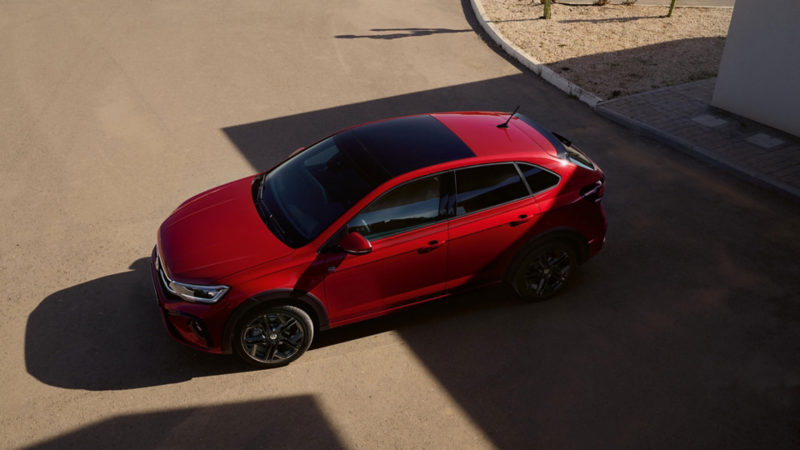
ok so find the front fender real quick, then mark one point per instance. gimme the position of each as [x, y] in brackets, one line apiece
[304, 300]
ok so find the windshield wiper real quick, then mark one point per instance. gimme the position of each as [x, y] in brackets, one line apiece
[277, 225]
[261, 187]
[265, 214]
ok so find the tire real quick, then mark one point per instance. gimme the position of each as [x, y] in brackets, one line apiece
[272, 336]
[544, 270]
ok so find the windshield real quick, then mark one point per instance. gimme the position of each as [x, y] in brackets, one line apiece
[306, 194]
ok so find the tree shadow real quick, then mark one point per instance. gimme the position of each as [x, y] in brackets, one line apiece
[610, 20]
[517, 20]
[409, 32]
[289, 422]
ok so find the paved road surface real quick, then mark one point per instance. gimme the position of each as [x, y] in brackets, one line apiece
[683, 333]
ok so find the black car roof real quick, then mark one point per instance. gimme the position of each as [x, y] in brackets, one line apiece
[393, 147]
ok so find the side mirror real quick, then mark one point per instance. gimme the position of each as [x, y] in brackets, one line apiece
[355, 244]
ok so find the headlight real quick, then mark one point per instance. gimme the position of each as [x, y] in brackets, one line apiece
[191, 292]
[198, 294]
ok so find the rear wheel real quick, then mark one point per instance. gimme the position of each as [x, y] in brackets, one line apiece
[273, 336]
[545, 270]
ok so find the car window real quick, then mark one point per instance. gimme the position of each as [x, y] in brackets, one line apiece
[538, 179]
[310, 191]
[482, 187]
[405, 207]
[576, 157]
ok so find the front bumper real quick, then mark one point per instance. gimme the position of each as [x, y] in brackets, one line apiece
[184, 321]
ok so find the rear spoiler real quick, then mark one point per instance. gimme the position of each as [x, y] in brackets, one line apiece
[558, 142]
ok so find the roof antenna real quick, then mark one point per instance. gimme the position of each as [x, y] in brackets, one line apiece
[505, 124]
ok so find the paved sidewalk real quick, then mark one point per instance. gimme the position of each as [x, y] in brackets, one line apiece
[683, 117]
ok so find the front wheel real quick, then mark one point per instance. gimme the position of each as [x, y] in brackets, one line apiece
[545, 271]
[273, 336]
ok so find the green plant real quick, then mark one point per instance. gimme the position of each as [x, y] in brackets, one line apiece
[671, 8]
[547, 9]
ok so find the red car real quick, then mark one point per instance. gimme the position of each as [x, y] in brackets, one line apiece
[373, 219]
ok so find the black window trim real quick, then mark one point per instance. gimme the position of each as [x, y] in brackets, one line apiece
[444, 218]
[447, 217]
[517, 163]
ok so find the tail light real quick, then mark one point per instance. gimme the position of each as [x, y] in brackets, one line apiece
[594, 192]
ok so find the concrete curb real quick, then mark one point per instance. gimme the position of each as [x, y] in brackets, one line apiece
[703, 154]
[592, 100]
[530, 62]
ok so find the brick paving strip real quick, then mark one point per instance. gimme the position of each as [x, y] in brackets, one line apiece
[682, 117]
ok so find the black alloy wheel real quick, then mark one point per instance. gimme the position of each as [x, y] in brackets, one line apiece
[273, 336]
[545, 271]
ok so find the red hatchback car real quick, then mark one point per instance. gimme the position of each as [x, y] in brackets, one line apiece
[372, 219]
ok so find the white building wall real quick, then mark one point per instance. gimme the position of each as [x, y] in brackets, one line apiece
[759, 77]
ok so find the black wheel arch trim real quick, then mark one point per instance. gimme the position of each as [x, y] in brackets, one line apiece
[572, 235]
[303, 300]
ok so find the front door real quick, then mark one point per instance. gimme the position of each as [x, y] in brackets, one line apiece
[409, 252]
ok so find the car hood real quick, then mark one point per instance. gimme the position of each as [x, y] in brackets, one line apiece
[215, 234]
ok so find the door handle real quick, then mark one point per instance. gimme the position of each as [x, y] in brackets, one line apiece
[432, 245]
[520, 220]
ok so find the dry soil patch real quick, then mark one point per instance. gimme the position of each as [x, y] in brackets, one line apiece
[617, 50]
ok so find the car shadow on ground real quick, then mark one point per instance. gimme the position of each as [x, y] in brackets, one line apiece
[420, 317]
[107, 334]
[289, 422]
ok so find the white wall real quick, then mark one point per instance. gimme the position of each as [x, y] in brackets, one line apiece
[759, 77]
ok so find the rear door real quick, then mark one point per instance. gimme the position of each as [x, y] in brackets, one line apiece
[494, 213]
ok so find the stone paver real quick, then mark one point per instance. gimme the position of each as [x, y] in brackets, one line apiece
[683, 114]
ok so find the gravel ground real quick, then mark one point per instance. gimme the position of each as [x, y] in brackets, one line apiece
[615, 51]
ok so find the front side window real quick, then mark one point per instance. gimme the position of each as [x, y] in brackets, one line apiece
[538, 179]
[482, 187]
[411, 205]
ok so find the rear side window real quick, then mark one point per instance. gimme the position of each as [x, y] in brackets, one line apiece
[482, 187]
[411, 205]
[538, 179]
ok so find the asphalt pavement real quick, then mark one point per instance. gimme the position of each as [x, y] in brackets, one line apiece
[684, 332]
